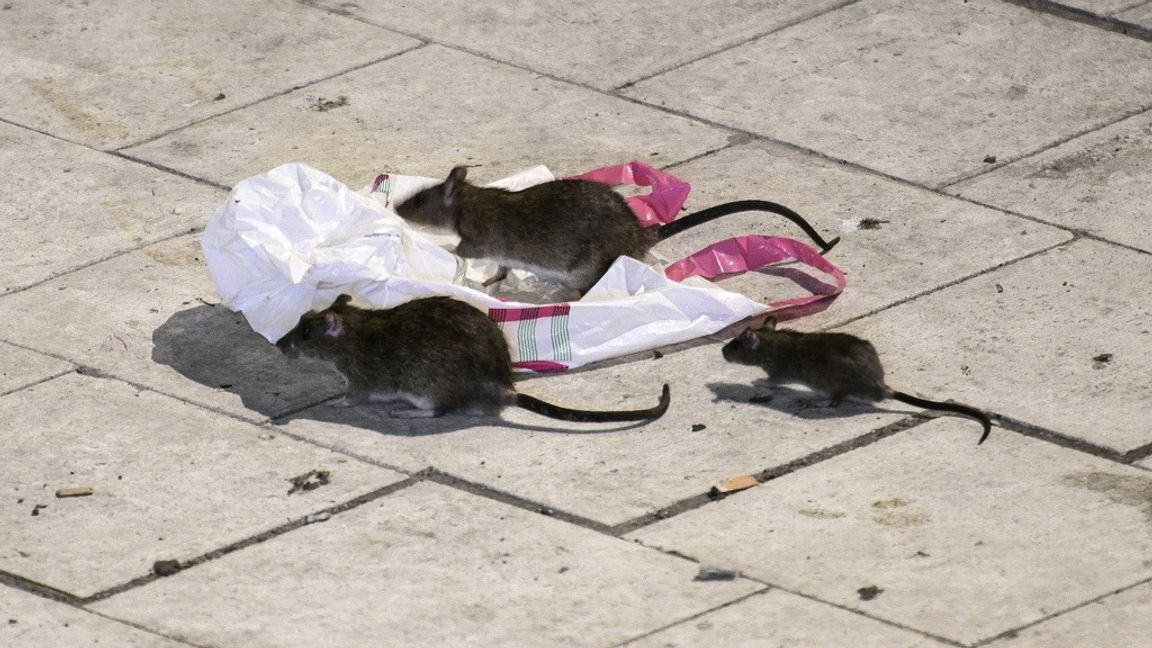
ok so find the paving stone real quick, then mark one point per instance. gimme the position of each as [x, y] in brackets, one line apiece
[381, 570]
[1098, 7]
[414, 115]
[1096, 183]
[28, 621]
[147, 68]
[21, 367]
[917, 240]
[924, 91]
[70, 206]
[776, 619]
[1121, 620]
[610, 473]
[931, 532]
[603, 45]
[172, 481]
[147, 319]
[1063, 346]
[1141, 15]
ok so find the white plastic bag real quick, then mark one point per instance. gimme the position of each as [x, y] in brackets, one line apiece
[294, 238]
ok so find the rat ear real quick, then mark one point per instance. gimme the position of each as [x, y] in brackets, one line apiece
[749, 338]
[335, 324]
[341, 302]
[452, 184]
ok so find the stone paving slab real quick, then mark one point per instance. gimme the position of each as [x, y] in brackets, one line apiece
[21, 367]
[602, 45]
[1121, 620]
[29, 621]
[76, 206]
[381, 571]
[607, 472]
[146, 68]
[920, 90]
[146, 319]
[1097, 183]
[412, 114]
[929, 531]
[1141, 15]
[1136, 12]
[171, 481]
[1065, 345]
[920, 240]
[776, 619]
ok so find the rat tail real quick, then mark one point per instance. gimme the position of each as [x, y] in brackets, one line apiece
[948, 407]
[704, 215]
[587, 416]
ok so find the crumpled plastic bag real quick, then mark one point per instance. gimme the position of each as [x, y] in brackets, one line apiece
[294, 238]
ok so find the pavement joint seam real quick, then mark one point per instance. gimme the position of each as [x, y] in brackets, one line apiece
[1125, 116]
[734, 45]
[1073, 443]
[693, 617]
[1075, 14]
[1013, 632]
[275, 95]
[263, 536]
[701, 499]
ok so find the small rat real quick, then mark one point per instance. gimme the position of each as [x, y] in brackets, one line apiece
[567, 230]
[837, 364]
[437, 354]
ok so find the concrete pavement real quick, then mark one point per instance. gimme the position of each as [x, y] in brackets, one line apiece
[1002, 149]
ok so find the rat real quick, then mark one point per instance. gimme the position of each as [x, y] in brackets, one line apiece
[435, 355]
[837, 364]
[567, 230]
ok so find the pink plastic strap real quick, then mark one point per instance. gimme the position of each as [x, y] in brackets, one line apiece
[661, 205]
[744, 253]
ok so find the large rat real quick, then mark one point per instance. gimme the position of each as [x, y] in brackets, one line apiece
[567, 230]
[437, 355]
[837, 364]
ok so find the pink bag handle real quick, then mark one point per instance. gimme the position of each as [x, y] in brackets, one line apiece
[752, 252]
[661, 205]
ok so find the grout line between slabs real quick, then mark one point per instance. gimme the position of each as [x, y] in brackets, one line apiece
[739, 599]
[1075, 14]
[744, 41]
[258, 538]
[1073, 443]
[1013, 632]
[300, 86]
[696, 501]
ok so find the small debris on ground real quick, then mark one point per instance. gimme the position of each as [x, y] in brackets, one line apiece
[696, 427]
[322, 104]
[735, 483]
[871, 223]
[656, 355]
[999, 288]
[989, 159]
[313, 518]
[219, 97]
[310, 480]
[166, 567]
[36, 509]
[75, 491]
[713, 573]
[1101, 361]
[869, 593]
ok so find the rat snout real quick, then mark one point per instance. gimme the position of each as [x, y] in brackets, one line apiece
[287, 348]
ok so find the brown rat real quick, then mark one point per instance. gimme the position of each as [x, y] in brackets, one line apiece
[837, 364]
[568, 230]
[438, 355]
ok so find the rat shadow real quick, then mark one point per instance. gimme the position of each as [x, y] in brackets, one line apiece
[801, 403]
[215, 347]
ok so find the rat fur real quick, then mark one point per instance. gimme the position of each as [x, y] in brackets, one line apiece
[836, 364]
[434, 355]
[567, 230]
